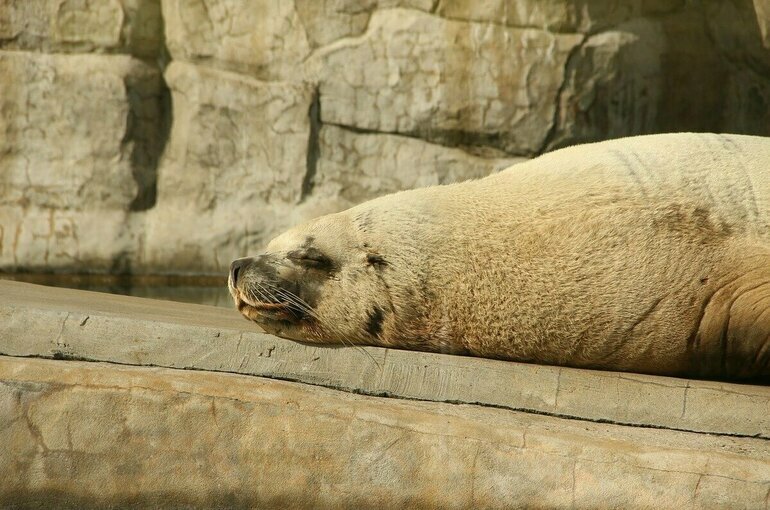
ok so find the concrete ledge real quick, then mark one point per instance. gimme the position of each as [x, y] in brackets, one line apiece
[66, 324]
[88, 435]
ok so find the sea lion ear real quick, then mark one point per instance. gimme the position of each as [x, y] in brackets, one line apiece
[376, 260]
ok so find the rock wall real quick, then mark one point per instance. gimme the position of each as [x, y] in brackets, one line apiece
[170, 136]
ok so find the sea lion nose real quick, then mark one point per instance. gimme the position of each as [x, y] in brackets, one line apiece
[237, 267]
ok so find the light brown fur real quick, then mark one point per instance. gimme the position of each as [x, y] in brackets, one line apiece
[647, 254]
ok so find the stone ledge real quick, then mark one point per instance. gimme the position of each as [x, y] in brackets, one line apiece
[93, 435]
[65, 324]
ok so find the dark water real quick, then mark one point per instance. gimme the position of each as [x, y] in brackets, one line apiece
[205, 290]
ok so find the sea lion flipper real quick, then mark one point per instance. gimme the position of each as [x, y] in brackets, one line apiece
[735, 327]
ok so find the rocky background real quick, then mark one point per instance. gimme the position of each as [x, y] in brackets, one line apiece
[171, 136]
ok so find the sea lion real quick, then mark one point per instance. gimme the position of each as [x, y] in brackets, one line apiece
[646, 254]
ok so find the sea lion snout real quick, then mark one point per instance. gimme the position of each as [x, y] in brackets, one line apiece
[262, 267]
[250, 273]
[261, 293]
[236, 268]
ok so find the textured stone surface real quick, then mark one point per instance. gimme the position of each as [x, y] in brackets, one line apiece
[60, 323]
[80, 136]
[651, 75]
[762, 9]
[263, 37]
[556, 15]
[448, 81]
[326, 21]
[121, 26]
[234, 139]
[269, 39]
[284, 110]
[235, 160]
[46, 239]
[737, 30]
[85, 434]
[354, 166]
[75, 129]
[614, 85]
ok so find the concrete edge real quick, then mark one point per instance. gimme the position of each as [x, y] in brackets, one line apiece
[55, 323]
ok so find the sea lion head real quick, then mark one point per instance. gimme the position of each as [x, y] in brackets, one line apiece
[322, 282]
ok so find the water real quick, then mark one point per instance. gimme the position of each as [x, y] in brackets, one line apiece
[205, 290]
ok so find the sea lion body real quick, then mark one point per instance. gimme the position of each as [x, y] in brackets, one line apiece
[647, 254]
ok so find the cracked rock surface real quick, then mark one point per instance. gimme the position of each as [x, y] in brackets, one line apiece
[126, 26]
[89, 435]
[128, 125]
[236, 156]
[78, 149]
[479, 83]
[148, 404]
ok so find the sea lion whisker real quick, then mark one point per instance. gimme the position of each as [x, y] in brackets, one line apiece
[293, 299]
[359, 347]
[363, 349]
[257, 295]
[270, 287]
[249, 294]
[269, 296]
[290, 296]
[261, 295]
[305, 308]
[296, 302]
[266, 293]
[269, 292]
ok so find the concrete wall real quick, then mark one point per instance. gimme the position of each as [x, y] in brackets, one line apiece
[149, 135]
[110, 400]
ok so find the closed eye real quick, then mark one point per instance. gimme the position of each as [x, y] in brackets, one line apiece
[311, 258]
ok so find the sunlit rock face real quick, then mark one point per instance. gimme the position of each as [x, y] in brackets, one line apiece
[156, 136]
[93, 435]
[133, 27]
[80, 138]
